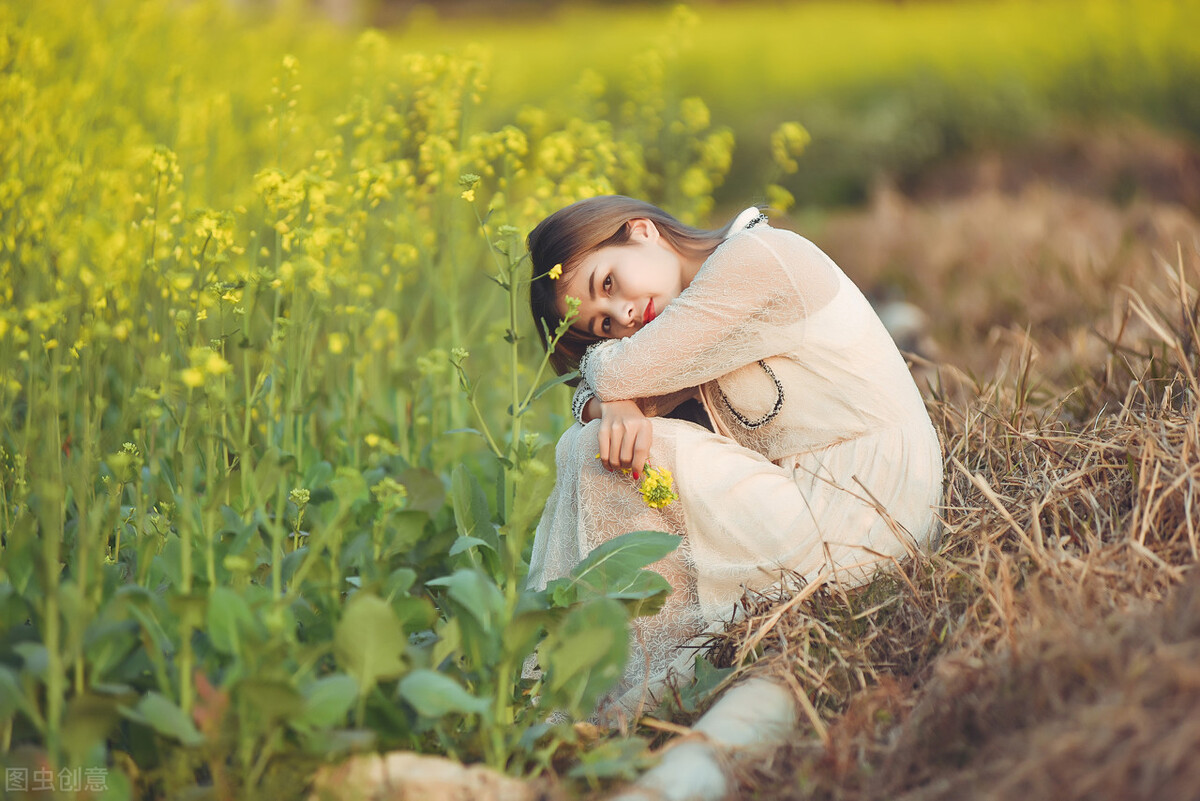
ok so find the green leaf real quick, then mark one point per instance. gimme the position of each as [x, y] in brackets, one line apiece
[471, 509]
[553, 382]
[435, 694]
[106, 643]
[465, 543]
[369, 641]
[618, 758]
[11, 696]
[161, 714]
[425, 490]
[318, 474]
[645, 595]
[35, 657]
[89, 719]
[475, 593]
[399, 581]
[614, 569]
[406, 529]
[229, 617]
[475, 600]
[273, 698]
[585, 655]
[348, 487]
[327, 701]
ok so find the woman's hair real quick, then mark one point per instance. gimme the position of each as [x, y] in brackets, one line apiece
[570, 234]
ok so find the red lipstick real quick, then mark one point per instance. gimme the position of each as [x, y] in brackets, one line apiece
[649, 313]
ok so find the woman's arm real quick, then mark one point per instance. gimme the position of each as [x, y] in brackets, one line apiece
[747, 303]
[585, 405]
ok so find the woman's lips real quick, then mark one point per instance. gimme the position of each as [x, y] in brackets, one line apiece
[649, 314]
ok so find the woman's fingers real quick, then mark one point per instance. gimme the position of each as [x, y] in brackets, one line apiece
[641, 449]
[624, 437]
[628, 442]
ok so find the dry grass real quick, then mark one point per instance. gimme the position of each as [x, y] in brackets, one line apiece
[1050, 648]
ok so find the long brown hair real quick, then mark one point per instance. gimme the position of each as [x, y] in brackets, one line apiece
[571, 233]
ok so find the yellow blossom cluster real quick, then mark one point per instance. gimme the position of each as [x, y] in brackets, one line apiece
[280, 234]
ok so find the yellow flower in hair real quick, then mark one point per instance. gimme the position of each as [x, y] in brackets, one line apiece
[555, 272]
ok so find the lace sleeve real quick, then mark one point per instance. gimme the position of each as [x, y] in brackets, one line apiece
[583, 394]
[655, 406]
[748, 302]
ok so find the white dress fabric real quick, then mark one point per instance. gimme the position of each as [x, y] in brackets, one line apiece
[842, 478]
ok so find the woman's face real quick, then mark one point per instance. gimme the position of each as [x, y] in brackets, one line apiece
[622, 288]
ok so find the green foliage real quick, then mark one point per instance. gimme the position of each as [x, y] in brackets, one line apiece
[238, 521]
[271, 448]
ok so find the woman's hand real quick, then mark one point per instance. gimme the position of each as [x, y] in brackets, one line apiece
[625, 436]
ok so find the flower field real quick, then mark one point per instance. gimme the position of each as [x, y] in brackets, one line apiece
[275, 427]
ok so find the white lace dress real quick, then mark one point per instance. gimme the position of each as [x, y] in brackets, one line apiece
[823, 461]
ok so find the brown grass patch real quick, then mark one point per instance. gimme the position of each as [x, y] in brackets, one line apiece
[1050, 648]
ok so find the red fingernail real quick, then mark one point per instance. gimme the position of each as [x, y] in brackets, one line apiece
[635, 475]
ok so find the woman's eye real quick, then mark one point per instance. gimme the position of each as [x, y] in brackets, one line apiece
[607, 282]
[606, 326]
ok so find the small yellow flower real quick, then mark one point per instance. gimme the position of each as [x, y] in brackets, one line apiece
[192, 377]
[215, 365]
[658, 487]
[555, 272]
[469, 195]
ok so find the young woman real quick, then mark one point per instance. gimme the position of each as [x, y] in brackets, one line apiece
[813, 454]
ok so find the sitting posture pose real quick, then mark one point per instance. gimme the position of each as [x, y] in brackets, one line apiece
[807, 452]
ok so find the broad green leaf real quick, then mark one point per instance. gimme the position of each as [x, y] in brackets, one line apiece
[35, 656]
[618, 758]
[348, 487]
[229, 618]
[318, 475]
[270, 470]
[106, 643]
[448, 643]
[533, 488]
[89, 719]
[11, 697]
[475, 593]
[369, 641]
[404, 530]
[166, 718]
[328, 700]
[435, 694]
[585, 655]
[478, 605]
[465, 543]
[471, 513]
[399, 581]
[614, 568]
[425, 490]
[232, 520]
[273, 698]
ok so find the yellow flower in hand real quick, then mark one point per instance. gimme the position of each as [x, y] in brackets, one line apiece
[658, 487]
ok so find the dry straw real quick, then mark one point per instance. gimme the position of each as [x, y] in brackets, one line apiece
[1053, 639]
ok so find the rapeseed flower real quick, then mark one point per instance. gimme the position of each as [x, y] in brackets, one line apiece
[657, 487]
[555, 272]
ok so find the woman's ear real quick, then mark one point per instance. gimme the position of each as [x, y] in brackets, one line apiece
[642, 230]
